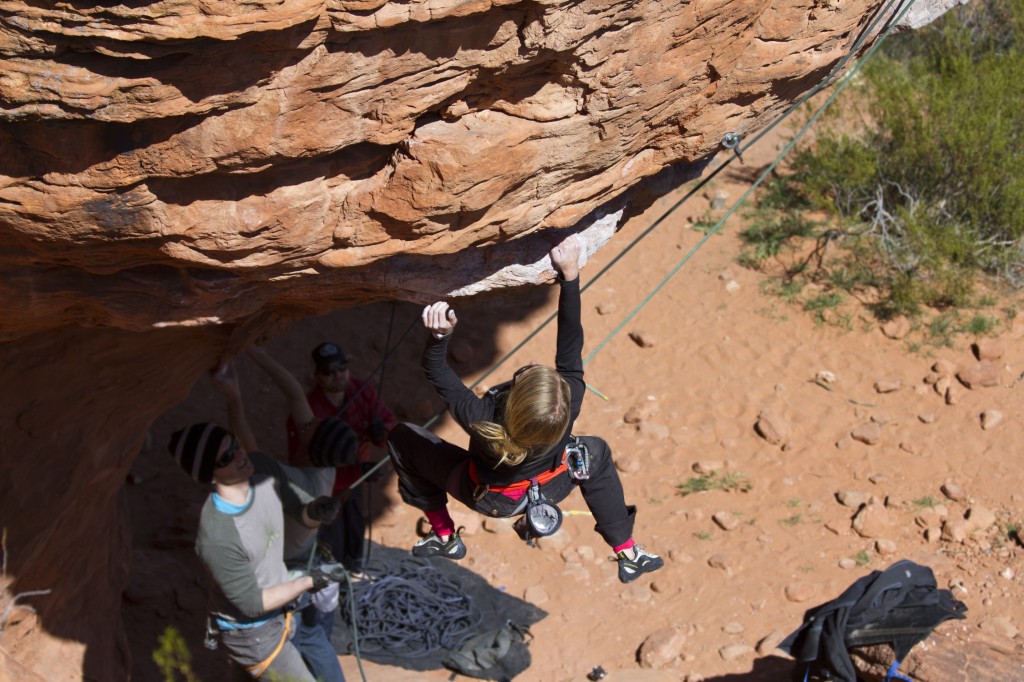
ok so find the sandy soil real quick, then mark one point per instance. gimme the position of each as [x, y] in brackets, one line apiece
[717, 351]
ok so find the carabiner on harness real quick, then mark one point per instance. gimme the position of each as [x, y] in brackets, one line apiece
[577, 458]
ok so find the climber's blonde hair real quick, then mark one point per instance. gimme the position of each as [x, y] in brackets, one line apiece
[536, 416]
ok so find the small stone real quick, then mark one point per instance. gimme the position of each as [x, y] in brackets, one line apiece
[733, 628]
[980, 518]
[885, 547]
[661, 647]
[800, 591]
[721, 562]
[955, 531]
[953, 491]
[953, 394]
[1000, 625]
[878, 479]
[725, 520]
[881, 418]
[837, 527]
[735, 651]
[844, 442]
[679, 556]
[824, 378]
[770, 641]
[942, 385]
[896, 328]
[535, 594]
[931, 378]
[926, 417]
[1007, 573]
[707, 467]
[909, 447]
[607, 308]
[869, 434]
[984, 373]
[732, 286]
[943, 367]
[771, 427]
[991, 419]
[888, 385]
[932, 535]
[852, 498]
[642, 338]
[847, 563]
[988, 349]
[872, 521]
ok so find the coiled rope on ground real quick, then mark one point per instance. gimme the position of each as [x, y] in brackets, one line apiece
[411, 611]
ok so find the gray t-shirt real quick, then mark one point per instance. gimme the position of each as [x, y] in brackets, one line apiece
[244, 551]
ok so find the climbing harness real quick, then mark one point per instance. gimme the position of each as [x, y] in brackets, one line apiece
[261, 667]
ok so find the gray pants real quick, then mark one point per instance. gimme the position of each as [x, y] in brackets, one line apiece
[252, 646]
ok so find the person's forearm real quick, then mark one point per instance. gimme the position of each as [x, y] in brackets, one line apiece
[240, 423]
[289, 386]
[277, 596]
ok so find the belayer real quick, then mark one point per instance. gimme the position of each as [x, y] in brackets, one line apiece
[523, 457]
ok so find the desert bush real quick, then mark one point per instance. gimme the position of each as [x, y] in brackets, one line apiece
[929, 190]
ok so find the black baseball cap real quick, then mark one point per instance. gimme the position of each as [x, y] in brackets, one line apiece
[328, 356]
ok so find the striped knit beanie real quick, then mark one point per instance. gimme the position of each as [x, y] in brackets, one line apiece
[195, 448]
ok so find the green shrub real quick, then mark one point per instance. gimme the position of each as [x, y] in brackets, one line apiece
[931, 194]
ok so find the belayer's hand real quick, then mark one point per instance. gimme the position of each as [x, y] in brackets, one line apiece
[325, 574]
[323, 509]
[439, 319]
[377, 431]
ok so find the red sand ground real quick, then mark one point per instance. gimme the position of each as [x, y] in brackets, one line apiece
[721, 352]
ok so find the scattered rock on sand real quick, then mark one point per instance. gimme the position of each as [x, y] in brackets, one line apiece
[984, 373]
[1001, 626]
[953, 394]
[953, 491]
[991, 419]
[707, 467]
[980, 518]
[869, 433]
[872, 521]
[769, 642]
[926, 417]
[988, 349]
[733, 628]
[661, 647]
[535, 594]
[955, 531]
[885, 547]
[888, 385]
[607, 307]
[722, 562]
[735, 651]
[772, 427]
[725, 520]
[852, 498]
[800, 591]
[896, 328]
[642, 338]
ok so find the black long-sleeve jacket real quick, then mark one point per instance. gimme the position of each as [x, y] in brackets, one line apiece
[466, 408]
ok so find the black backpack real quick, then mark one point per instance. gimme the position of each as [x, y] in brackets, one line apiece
[899, 606]
[496, 655]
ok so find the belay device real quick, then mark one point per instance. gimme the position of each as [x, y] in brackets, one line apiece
[542, 517]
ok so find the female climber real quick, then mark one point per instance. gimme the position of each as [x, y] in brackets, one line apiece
[521, 450]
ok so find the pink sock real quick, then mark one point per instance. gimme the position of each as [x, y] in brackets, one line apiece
[625, 545]
[441, 521]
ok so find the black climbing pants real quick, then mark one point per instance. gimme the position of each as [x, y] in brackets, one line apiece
[430, 469]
